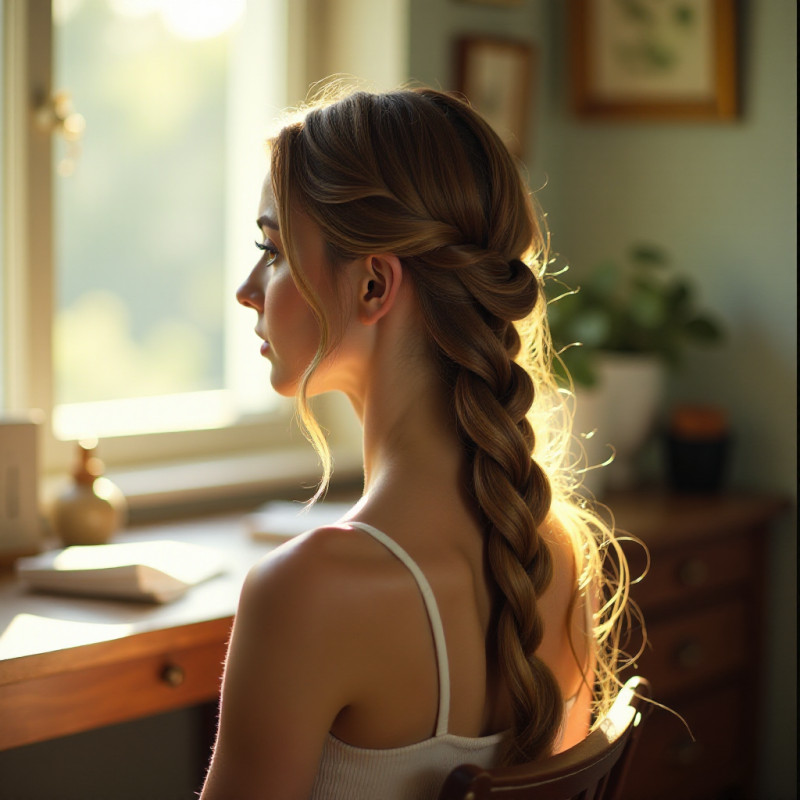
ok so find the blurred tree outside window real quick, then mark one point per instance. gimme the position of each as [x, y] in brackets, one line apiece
[153, 207]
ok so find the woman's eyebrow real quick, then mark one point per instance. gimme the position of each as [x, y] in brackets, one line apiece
[265, 221]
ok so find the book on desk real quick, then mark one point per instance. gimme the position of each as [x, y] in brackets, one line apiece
[163, 570]
[151, 571]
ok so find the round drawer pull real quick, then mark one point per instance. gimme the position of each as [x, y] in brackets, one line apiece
[173, 675]
[690, 654]
[693, 572]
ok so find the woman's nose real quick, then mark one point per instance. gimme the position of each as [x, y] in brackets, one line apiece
[251, 293]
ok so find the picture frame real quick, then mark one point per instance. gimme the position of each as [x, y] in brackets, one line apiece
[654, 59]
[496, 76]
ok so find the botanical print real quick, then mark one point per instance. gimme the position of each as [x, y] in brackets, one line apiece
[653, 49]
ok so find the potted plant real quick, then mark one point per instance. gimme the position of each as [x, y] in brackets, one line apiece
[642, 307]
[616, 334]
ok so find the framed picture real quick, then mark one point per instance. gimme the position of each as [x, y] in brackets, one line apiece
[654, 59]
[496, 77]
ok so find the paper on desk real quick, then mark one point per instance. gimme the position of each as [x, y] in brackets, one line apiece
[156, 571]
[280, 520]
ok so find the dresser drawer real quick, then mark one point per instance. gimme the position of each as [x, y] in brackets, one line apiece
[692, 648]
[82, 699]
[667, 764]
[680, 574]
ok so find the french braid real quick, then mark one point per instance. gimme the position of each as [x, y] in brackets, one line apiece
[492, 395]
[419, 174]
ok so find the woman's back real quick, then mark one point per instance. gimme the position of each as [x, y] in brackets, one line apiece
[394, 231]
[428, 701]
[400, 680]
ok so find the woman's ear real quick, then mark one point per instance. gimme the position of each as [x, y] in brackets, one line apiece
[378, 285]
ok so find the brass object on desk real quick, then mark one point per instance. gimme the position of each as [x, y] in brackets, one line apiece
[92, 509]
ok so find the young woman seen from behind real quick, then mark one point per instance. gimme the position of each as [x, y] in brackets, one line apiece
[454, 614]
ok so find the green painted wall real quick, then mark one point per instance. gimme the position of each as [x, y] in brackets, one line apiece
[721, 198]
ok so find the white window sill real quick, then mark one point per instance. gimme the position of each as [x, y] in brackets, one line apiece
[170, 490]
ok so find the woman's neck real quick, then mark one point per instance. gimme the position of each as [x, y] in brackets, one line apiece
[404, 408]
[408, 427]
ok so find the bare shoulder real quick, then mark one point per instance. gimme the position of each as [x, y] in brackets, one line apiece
[562, 549]
[563, 608]
[315, 574]
[568, 651]
[292, 665]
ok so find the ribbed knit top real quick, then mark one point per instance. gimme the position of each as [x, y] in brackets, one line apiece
[416, 771]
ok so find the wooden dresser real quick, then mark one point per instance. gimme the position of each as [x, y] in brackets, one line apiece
[702, 602]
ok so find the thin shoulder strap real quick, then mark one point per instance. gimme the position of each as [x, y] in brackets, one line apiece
[434, 618]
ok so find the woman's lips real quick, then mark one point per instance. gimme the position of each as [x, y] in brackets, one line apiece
[264, 347]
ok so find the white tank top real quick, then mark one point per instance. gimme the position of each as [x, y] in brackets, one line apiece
[416, 771]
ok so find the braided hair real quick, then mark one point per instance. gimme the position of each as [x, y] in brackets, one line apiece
[420, 174]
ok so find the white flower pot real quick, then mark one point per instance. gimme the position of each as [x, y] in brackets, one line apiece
[622, 410]
[589, 450]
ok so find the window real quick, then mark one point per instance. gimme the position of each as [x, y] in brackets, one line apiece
[146, 220]
[124, 240]
[152, 211]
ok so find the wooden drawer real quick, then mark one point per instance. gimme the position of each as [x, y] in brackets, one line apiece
[679, 575]
[687, 650]
[82, 699]
[667, 764]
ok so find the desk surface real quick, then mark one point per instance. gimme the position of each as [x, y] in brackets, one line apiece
[33, 624]
[47, 640]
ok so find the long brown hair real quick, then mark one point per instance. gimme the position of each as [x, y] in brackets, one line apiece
[420, 174]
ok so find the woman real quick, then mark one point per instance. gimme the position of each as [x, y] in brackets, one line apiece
[445, 618]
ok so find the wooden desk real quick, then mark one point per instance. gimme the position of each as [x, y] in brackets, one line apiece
[703, 602]
[71, 664]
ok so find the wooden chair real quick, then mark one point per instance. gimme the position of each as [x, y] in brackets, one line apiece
[593, 769]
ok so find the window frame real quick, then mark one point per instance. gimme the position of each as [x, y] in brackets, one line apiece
[28, 299]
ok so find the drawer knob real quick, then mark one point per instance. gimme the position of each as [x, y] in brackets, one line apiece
[693, 572]
[173, 675]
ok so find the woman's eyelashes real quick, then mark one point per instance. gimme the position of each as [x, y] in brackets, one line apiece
[270, 249]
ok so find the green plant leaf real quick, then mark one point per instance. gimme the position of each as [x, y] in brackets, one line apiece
[679, 296]
[643, 308]
[648, 307]
[562, 315]
[592, 328]
[703, 329]
[603, 281]
[648, 255]
[579, 363]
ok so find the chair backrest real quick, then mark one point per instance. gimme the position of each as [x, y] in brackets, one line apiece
[593, 769]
